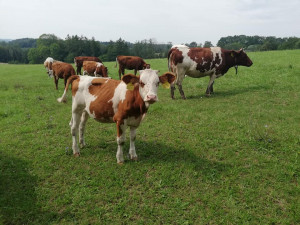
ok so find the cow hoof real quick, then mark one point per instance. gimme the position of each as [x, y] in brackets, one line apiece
[134, 158]
[77, 154]
[207, 95]
[121, 163]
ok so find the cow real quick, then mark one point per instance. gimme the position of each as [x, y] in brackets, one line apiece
[131, 63]
[61, 70]
[201, 62]
[94, 68]
[47, 63]
[124, 102]
[79, 62]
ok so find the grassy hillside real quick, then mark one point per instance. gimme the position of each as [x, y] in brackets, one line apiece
[232, 158]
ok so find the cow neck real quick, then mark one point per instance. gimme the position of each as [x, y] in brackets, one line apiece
[230, 61]
[138, 102]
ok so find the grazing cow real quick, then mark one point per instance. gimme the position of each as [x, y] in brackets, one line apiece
[79, 61]
[94, 68]
[60, 70]
[124, 102]
[201, 62]
[47, 63]
[131, 63]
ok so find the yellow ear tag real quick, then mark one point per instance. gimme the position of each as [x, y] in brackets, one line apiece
[130, 86]
[166, 85]
[232, 54]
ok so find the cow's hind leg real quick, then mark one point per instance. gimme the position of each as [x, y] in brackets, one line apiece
[210, 84]
[179, 84]
[76, 115]
[132, 152]
[84, 118]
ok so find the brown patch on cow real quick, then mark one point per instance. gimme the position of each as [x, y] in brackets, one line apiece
[175, 56]
[80, 59]
[131, 63]
[75, 84]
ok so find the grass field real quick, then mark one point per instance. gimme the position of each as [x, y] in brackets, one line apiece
[233, 158]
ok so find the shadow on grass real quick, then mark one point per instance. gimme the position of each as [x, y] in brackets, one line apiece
[18, 201]
[221, 93]
[154, 153]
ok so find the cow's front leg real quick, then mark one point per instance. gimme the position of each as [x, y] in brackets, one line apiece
[172, 91]
[120, 141]
[83, 121]
[211, 82]
[132, 152]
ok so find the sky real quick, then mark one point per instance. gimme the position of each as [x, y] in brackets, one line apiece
[163, 21]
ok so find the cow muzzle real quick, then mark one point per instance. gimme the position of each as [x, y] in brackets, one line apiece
[151, 99]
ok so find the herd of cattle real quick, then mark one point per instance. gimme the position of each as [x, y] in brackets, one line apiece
[126, 101]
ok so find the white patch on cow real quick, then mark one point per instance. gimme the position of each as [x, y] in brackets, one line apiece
[119, 95]
[150, 78]
[98, 64]
[83, 97]
[216, 51]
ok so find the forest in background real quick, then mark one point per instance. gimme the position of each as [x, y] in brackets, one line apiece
[35, 51]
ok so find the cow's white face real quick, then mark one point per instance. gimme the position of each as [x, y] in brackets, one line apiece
[50, 73]
[148, 85]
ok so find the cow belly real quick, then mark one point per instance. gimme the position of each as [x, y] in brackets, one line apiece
[197, 73]
[134, 121]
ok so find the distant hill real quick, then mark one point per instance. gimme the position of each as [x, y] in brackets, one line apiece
[5, 40]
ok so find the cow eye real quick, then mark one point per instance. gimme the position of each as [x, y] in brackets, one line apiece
[142, 84]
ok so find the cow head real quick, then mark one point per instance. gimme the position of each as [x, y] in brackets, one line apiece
[50, 70]
[241, 58]
[147, 83]
[146, 66]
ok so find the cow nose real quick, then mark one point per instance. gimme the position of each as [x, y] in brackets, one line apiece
[151, 98]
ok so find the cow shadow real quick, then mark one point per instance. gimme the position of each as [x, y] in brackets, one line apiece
[152, 152]
[219, 93]
[18, 200]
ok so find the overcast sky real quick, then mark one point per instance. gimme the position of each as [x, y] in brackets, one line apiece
[176, 21]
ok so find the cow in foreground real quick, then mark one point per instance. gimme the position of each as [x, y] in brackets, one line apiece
[201, 62]
[131, 63]
[124, 102]
[96, 69]
[61, 70]
[80, 59]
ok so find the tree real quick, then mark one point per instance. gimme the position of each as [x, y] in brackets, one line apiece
[207, 44]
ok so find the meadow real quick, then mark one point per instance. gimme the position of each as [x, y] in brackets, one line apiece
[232, 158]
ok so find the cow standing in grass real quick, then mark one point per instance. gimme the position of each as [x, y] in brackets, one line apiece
[47, 63]
[201, 62]
[124, 102]
[94, 68]
[60, 70]
[80, 59]
[131, 63]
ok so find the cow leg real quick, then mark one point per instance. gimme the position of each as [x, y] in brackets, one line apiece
[212, 88]
[56, 82]
[120, 72]
[132, 152]
[76, 115]
[211, 82]
[172, 91]
[135, 71]
[84, 118]
[179, 84]
[120, 141]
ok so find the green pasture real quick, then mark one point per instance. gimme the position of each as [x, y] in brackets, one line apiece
[232, 158]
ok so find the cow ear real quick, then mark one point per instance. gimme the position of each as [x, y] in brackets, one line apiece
[234, 53]
[166, 79]
[130, 80]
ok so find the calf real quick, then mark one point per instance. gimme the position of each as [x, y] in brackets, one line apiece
[131, 63]
[80, 59]
[201, 62]
[94, 68]
[124, 102]
[60, 70]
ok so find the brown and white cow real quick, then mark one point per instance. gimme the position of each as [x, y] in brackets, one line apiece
[61, 70]
[94, 68]
[201, 62]
[124, 102]
[80, 59]
[131, 63]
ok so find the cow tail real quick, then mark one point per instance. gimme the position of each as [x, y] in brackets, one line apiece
[63, 98]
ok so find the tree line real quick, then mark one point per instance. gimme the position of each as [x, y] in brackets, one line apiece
[34, 51]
